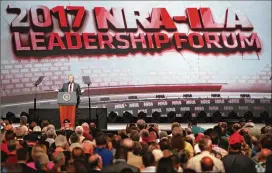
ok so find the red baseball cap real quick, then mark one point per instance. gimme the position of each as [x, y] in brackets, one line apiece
[236, 138]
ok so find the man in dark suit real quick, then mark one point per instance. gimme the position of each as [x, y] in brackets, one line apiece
[121, 161]
[71, 86]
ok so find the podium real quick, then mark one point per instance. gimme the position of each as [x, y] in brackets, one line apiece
[67, 106]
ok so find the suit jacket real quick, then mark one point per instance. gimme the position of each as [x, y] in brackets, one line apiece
[75, 89]
[118, 166]
[135, 160]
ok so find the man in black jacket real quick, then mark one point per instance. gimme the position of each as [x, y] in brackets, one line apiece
[71, 86]
[236, 161]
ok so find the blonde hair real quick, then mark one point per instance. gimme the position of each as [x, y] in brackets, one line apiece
[70, 75]
[37, 150]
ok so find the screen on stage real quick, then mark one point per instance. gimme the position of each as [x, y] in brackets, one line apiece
[222, 46]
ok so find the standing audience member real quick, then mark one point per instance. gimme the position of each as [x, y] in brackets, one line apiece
[59, 161]
[205, 145]
[236, 161]
[95, 164]
[79, 132]
[101, 143]
[51, 134]
[196, 129]
[165, 166]
[120, 162]
[149, 162]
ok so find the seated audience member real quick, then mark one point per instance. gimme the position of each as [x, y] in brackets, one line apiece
[205, 145]
[235, 161]
[132, 159]
[206, 164]
[95, 164]
[262, 157]
[121, 161]
[196, 129]
[165, 166]
[149, 162]
[58, 159]
[107, 156]
[75, 141]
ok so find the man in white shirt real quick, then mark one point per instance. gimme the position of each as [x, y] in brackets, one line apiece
[205, 145]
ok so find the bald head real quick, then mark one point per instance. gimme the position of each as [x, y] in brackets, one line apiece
[95, 161]
[264, 153]
[88, 147]
[206, 164]
[128, 144]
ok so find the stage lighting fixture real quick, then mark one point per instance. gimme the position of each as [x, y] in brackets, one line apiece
[160, 96]
[171, 117]
[215, 95]
[132, 97]
[156, 117]
[10, 115]
[248, 115]
[142, 115]
[264, 116]
[127, 117]
[187, 116]
[187, 95]
[112, 117]
[232, 114]
[217, 116]
[245, 95]
[201, 116]
[104, 99]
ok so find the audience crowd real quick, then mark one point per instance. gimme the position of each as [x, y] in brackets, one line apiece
[141, 147]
